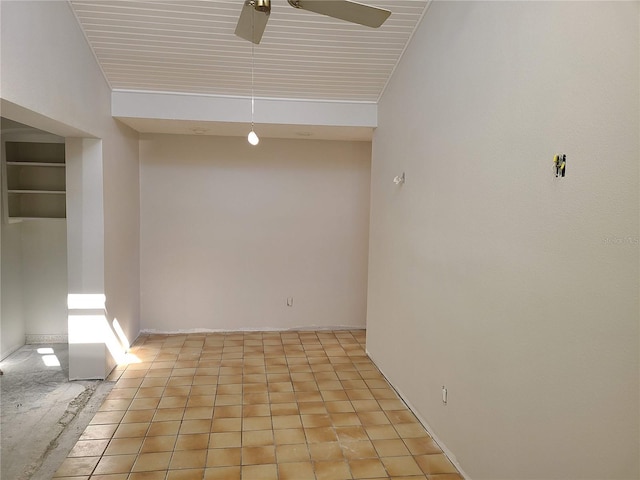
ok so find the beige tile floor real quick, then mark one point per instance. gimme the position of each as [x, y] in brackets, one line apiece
[306, 405]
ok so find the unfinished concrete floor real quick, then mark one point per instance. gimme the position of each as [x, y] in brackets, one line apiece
[42, 414]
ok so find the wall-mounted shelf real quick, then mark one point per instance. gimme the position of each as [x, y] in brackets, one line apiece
[35, 180]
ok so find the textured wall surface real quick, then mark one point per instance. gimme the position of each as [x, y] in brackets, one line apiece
[230, 231]
[515, 289]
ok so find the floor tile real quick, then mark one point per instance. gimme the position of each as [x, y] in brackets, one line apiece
[374, 418]
[109, 476]
[401, 416]
[225, 439]
[224, 457]
[435, 463]
[256, 423]
[445, 476]
[351, 433]
[381, 432]
[289, 436]
[144, 403]
[150, 392]
[170, 427]
[391, 404]
[115, 464]
[397, 466]
[131, 430]
[226, 425]
[168, 414]
[332, 470]
[257, 410]
[89, 448]
[147, 462]
[367, 468]
[312, 408]
[97, 432]
[124, 446]
[173, 402]
[186, 474]
[195, 441]
[322, 434]
[104, 418]
[410, 430]
[344, 419]
[227, 412]
[390, 447]
[201, 401]
[196, 413]
[72, 467]
[259, 472]
[256, 438]
[161, 443]
[188, 459]
[258, 455]
[254, 406]
[358, 450]
[138, 416]
[313, 421]
[422, 446]
[195, 426]
[292, 453]
[177, 391]
[323, 452]
[222, 473]
[296, 471]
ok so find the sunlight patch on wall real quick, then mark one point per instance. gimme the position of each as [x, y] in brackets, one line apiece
[121, 335]
[88, 324]
[85, 301]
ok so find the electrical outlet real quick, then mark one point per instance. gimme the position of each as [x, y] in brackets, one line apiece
[444, 395]
[289, 301]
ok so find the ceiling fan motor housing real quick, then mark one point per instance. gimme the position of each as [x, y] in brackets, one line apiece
[262, 5]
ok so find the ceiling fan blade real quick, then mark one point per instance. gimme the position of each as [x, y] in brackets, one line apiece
[354, 12]
[252, 22]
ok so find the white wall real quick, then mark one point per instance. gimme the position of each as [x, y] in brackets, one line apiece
[34, 283]
[44, 278]
[12, 324]
[48, 68]
[122, 229]
[229, 231]
[50, 80]
[515, 289]
[85, 214]
[34, 271]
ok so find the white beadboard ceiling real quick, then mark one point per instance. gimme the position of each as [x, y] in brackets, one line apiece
[189, 46]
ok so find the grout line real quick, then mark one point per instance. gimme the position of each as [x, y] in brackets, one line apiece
[335, 354]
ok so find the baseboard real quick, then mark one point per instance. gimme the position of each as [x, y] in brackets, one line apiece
[153, 331]
[9, 351]
[32, 339]
[449, 454]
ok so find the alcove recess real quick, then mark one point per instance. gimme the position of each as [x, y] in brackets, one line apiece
[35, 180]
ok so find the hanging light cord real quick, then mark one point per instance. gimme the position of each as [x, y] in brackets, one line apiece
[252, 88]
[252, 137]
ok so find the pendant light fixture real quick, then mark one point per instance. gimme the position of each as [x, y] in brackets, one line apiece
[253, 136]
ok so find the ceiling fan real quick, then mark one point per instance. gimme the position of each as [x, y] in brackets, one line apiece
[255, 14]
